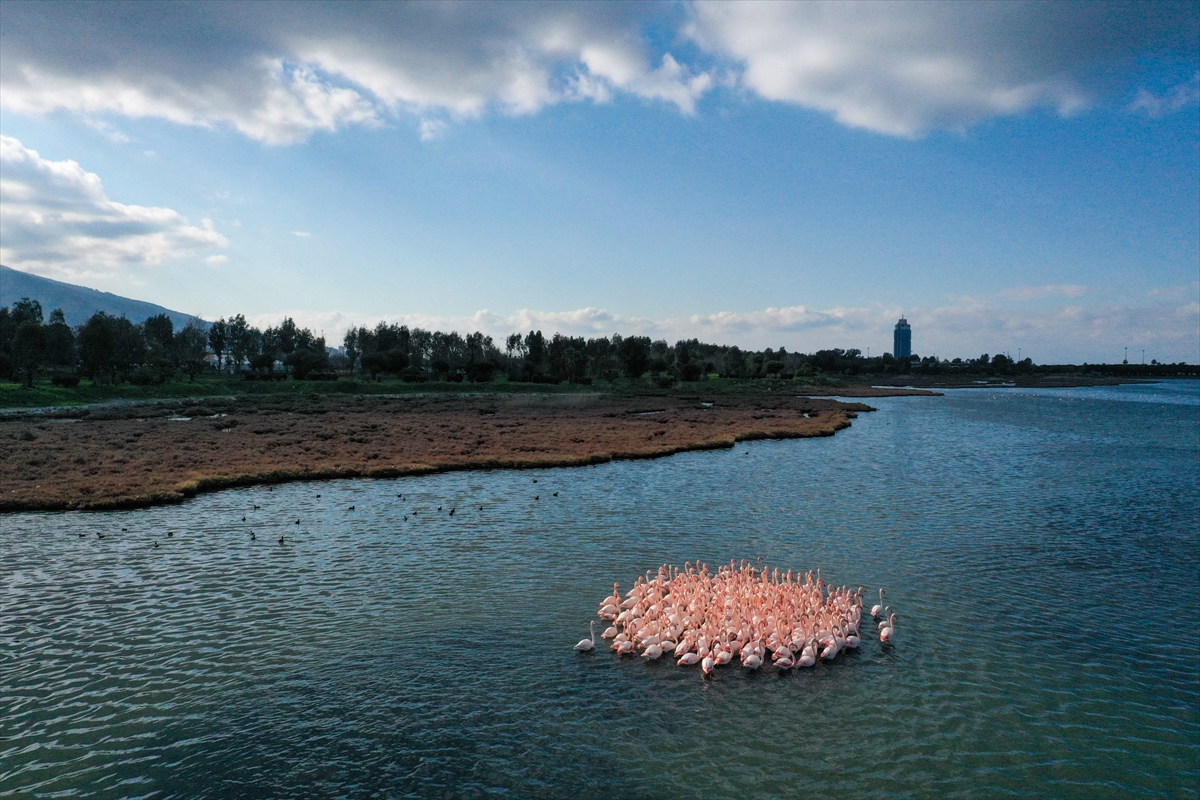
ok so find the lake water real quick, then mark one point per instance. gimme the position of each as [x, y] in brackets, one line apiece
[1041, 547]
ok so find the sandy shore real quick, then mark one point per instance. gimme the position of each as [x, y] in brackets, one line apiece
[147, 454]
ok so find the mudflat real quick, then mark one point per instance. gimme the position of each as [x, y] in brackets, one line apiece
[147, 454]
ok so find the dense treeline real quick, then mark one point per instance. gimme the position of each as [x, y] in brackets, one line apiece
[108, 349]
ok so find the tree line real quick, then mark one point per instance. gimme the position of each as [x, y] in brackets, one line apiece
[108, 349]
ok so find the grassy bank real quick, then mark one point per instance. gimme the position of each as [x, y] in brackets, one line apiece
[43, 393]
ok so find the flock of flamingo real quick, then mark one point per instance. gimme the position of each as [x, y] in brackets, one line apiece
[699, 617]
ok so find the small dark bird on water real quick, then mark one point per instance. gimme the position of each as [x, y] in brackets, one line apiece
[252, 536]
[82, 535]
[99, 535]
[281, 540]
[439, 508]
[535, 480]
[170, 533]
[156, 544]
[243, 519]
[351, 508]
[297, 520]
[124, 530]
[556, 494]
[406, 517]
[318, 497]
[537, 497]
[256, 508]
[452, 512]
[481, 508]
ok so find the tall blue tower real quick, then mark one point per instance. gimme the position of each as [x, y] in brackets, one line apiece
[902, 340]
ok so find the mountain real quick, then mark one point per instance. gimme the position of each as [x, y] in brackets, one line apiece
[78, 302]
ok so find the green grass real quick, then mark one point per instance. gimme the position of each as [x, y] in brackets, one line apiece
[43, 393]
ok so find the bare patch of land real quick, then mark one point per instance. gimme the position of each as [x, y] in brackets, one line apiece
[145, 454]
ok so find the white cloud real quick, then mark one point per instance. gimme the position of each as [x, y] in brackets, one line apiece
[56, 220]
[1044, 292]
[278, 72]
[905, 68]
[1176, 98]
[108, 131]
[431, 129]
[302, 234]
[1063, 334]
[215, 260]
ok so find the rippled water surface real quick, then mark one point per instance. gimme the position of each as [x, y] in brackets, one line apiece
[1042, 548]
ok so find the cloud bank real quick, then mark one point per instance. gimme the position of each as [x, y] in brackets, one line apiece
[278, 72]
[57, 221]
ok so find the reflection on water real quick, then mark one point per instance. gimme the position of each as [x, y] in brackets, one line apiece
[1041, 547]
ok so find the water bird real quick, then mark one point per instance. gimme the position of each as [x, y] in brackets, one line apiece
[252, 536]
[243, 519]
[452, 512]
[587, 644]
[886, 632]
[297, 520]
[281, 540]
[124, 530]
[439, 508]
[156, 544]
[99, 535]
[745, 608]
[351, 508]
[406, 517]
[537, 497]
[877, 609]
[535, 480]
[170, 533]
[556, 494]
[256, 508]
[318, 497]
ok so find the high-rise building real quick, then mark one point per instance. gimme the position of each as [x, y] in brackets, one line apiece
[902, 340]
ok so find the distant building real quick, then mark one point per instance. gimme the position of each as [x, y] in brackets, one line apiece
[902, 340]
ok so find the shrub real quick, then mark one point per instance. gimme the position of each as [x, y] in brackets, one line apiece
[65, 381]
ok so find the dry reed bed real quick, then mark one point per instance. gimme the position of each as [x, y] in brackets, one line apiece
[146, 455]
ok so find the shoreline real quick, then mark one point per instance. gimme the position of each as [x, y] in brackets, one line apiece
[142, 455]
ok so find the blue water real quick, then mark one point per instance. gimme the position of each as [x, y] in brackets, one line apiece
[1041, 547]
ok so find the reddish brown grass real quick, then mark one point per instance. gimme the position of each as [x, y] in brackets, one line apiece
[114, 459]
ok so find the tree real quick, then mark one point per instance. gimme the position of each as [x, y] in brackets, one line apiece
[97, 345]
[238, 334]
[218, 339]
[350, 343]
[26, 310]
[60, 341]
[634, 353]
[159, 332]
[29, 349]
[735, 363]
[190, 349]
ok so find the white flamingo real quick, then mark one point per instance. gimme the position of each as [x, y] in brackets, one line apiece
[588, 644]
[877, 610]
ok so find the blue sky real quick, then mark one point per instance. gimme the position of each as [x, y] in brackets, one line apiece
[1009, 176]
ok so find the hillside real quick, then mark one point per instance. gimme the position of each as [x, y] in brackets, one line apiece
[79, 302]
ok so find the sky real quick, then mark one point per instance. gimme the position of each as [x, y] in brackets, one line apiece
[1011, 177]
